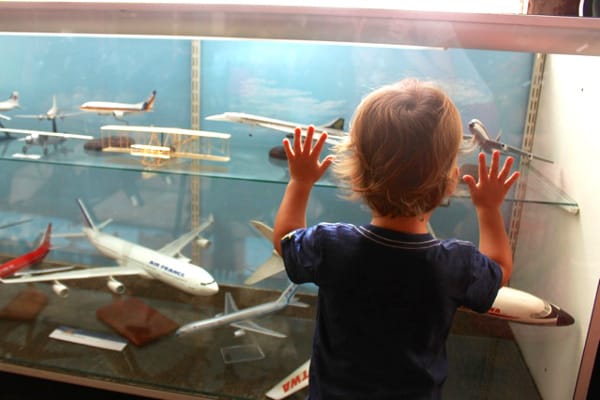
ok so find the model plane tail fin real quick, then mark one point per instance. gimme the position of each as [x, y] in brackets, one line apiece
[87, 219]
[336, 124]
[148, 104]
[45, 241]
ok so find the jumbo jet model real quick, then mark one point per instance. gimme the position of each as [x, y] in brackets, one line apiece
[10, 104]
[335, 129]
[43, 138]
[166, 264]
[51, 115]
[480, 138]
[243, 319]
[118, 110]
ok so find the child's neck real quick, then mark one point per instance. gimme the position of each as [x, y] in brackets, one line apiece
[416, 224]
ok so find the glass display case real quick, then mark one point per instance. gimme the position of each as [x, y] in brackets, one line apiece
[148, 121]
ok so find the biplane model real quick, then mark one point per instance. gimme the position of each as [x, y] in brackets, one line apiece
[156, 145]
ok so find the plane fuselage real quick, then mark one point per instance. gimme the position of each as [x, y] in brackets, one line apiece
[24, 261]
[178, 273]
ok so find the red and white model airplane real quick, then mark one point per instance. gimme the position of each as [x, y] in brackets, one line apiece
[14, 266]
[10, 104]
[118, 110]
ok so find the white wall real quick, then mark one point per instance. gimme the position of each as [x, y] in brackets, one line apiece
[557, 255]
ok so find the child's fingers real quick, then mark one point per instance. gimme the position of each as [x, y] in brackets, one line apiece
[483, 172]
[320, 143]
[506, 168]
[297, 141]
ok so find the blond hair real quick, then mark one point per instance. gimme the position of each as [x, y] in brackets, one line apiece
[402, 148]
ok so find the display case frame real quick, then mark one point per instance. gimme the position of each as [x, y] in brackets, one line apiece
[543, 34]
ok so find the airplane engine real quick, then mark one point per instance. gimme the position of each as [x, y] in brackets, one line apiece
[504, 146]
[60, 290]
[204, 243]
[239, 333]
[115, 286]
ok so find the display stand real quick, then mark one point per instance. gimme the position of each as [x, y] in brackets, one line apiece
[25, 306]
[135, 320]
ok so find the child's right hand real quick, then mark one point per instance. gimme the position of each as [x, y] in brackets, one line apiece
[493, 184]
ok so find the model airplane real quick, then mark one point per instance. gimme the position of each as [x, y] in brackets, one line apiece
[335, 129]
[155, 145]
[44, 138]
[16, 266]
[118, 110]
[51, 115]
[166, 264]
[243, 319]
[10, 104]
[480, 138]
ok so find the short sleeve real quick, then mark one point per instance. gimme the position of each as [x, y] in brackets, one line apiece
[302, 255]
[484, 282]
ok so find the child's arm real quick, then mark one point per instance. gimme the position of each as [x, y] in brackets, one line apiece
[488, 195]
[305, 171]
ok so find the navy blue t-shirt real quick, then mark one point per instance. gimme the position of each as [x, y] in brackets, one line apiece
[385, 306]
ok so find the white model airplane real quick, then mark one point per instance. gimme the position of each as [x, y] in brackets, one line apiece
[480, 138]
[10, 104]
[44, 138]
[335, 129]
[51, 115]
[166, 264]
[118, 110]
[243, 319]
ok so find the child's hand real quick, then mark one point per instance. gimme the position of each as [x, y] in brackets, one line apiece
[303, 157]
[492, 187]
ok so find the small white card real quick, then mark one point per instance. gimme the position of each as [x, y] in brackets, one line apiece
[89, 338]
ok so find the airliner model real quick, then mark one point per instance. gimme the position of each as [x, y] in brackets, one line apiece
[166, 264]
[26, 260]
[10, 104]
[51, 115]
[243, 319]
[43, 138]
[334, 129]
[118, 110]
[18, 266]
[480, 138]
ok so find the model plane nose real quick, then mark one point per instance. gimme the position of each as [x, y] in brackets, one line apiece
[210, 289]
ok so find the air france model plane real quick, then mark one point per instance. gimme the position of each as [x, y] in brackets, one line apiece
[118, 110]
[166, 264]
[334, 129]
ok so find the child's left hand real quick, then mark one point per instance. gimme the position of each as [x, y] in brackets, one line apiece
[303, 157]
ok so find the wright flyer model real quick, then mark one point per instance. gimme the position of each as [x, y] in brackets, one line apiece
[156, 145]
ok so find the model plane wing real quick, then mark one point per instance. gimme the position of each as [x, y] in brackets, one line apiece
[5, 117]
[172, 249]
[269, 268]
[82, 273]
[273, 265]
[45, 133]
[251, 326]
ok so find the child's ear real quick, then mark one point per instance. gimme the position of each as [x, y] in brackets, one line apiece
[452, 180]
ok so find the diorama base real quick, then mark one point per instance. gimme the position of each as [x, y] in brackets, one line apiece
[26, 305]
[135, 320]
[242, 353]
